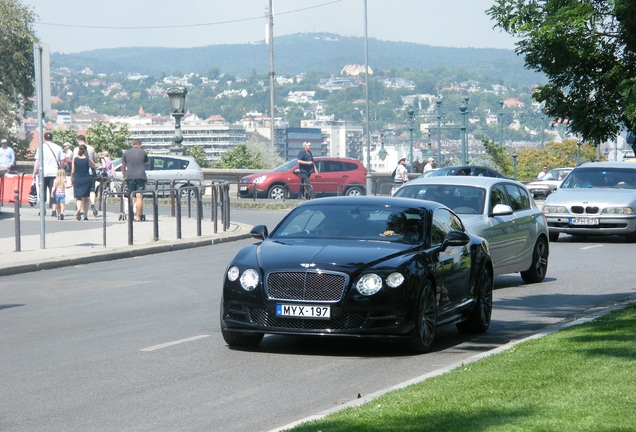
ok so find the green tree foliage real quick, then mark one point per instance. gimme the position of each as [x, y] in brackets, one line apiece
[241, 157]
[587, 50]
[16, 63]
[531, 160]
[110, 137]
[198, 153]
[61, 136]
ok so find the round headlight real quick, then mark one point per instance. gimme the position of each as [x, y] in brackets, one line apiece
[233, 273]
[395, 280]
[369, 284]
[249, 279]
[259, 179]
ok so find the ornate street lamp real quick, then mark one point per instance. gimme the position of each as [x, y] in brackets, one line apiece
[177, 97]
[382, 153]
[578, 152]
[410, 112]
[463, 109]
[514, 165]
[501, 105]
[438, 103]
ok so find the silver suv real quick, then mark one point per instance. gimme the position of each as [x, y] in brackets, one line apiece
[162, 170]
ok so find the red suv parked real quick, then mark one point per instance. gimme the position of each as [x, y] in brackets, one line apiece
[336, 176]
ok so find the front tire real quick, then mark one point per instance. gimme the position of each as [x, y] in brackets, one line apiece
[277, 192]
[237, 338]
[479, 319]
[539, 267]
[354, 191]
[423, 334]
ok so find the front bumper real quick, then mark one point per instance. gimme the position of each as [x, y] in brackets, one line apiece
[608, 225]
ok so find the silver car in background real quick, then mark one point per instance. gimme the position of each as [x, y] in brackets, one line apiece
[596, 198]
[549, 183]
[164, 170]
[497, 209]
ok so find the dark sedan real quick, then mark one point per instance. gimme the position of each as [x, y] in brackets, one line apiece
[359, 266]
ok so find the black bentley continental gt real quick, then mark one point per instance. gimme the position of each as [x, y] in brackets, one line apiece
[361, 267]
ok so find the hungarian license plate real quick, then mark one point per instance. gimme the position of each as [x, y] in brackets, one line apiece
[303, 311]
[243, 188]
[584, 221]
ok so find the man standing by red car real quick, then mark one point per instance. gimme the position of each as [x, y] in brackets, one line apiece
[306, 166]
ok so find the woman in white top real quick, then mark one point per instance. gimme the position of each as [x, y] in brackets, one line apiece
[401, 172]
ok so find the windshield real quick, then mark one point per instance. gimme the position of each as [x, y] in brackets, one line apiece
[595, 177]
[286, 166]
[354, 222]
[461, 199]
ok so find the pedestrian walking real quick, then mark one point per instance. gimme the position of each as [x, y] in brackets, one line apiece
[430, 164]
[306, 166]
[105, 174]
[52, 157]
[68, 158]
[7, 155]
[82, 181]
[58, 193]
[133, 168]
[90, 152]
[400, 172]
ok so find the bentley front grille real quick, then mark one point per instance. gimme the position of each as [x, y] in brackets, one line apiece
[306, 286]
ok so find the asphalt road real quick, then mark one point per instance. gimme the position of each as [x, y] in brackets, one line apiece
[135, 345]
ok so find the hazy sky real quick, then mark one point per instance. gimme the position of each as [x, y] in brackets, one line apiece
[82, 25]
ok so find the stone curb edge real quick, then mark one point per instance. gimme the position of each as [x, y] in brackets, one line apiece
[129, 252]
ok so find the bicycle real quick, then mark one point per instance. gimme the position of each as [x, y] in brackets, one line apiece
[308, 192]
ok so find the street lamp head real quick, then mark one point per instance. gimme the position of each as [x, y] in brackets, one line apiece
[177, 97]
[382, 153]
[410, 112]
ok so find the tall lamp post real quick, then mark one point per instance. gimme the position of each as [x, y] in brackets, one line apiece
[514, 165]
[177, 97]
[463, 108]
[501, 104]
[438, 103]
[369, 183]
[410, 112]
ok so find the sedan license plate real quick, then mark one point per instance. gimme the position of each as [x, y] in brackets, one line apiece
[243, 188]
[584, 221]
[303, 311]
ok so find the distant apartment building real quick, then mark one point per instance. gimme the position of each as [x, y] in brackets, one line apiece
[297, 136]
[342, 138]
[214, 135]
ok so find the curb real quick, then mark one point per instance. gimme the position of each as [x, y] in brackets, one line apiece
[119, 253]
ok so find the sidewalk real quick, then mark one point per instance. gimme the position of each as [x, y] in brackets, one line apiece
[71, 242]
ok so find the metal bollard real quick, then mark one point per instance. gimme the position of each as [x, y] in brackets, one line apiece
[16, 206]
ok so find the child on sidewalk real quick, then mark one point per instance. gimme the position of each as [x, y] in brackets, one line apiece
[58, 193]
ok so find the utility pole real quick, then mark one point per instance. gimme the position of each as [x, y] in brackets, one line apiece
[270, 32]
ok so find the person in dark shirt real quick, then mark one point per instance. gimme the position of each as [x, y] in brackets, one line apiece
[306, 166]
[133, 168]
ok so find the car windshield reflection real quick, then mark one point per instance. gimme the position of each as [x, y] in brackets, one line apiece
[462, 199]
[600, 178]
[355, 222]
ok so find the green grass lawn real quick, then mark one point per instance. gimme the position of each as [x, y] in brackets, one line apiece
[582, 378]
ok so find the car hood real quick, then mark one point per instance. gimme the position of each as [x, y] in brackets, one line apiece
[335, 255]
[592, 196]
[543, 183]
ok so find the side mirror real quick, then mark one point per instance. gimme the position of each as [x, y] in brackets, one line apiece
[259, 232]
[454, 239]
[297, 171]
[501, 210]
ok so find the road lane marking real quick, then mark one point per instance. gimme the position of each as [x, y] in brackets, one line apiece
[169, 344]
[590, 247]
